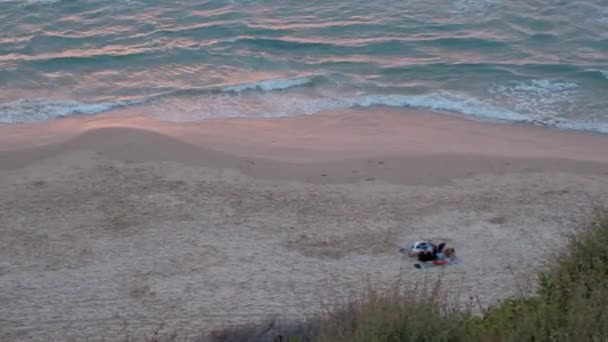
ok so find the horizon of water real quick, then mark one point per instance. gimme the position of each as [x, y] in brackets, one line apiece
[543, 62]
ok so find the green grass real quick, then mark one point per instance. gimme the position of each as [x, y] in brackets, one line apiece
[570, 304]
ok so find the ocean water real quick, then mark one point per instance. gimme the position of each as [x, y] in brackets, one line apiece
[543, 62]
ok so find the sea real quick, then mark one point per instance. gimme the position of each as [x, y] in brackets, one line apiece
[540, 62]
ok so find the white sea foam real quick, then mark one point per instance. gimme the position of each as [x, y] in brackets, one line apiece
[525, 102]
[271, 84]
[285, 105]
[444, 102]
[541, 98]
[605, 73]
[277, 104]
[540, 87]
[36, 110]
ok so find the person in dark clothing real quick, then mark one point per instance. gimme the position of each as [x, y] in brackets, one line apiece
[426, 256]
[431, 255]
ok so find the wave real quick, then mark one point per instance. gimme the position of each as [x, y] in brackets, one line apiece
[542, 98]
[470, 107]
[270, 84]
[37, 110]
[285, 44]
[443, 102]
[268, 98]
[365, 46]
[267, 85]
[286, 105]
[604, 73]
[541, 87]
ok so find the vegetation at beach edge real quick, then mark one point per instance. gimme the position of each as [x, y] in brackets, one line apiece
[569, 304]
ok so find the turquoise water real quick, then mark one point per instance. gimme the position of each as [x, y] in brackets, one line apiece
[543, 62]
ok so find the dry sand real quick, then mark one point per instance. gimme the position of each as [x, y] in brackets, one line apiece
[111, 225]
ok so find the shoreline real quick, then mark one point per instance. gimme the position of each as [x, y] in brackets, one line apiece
[411, 147]
[123, 223]
[332, 135]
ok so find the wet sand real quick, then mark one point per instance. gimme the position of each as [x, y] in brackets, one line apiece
[111, 225]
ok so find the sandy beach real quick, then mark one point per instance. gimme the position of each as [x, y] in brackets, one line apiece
[112, 225]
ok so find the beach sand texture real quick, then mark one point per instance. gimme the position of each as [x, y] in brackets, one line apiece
[116, 225]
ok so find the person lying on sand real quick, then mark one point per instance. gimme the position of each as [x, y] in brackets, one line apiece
[427, 251]
[438, 257]
[430, 254]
